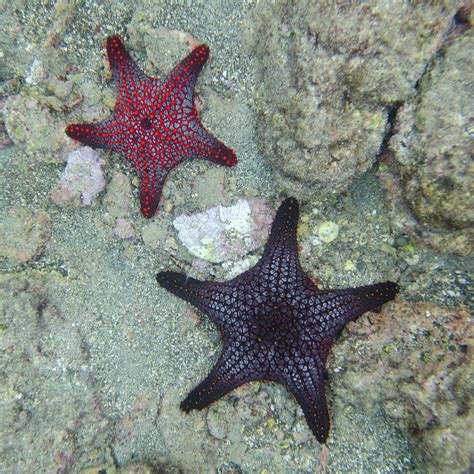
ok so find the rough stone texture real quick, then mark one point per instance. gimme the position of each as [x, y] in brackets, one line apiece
[223, 233]
[124, 229]
[247, 416]
[162, 45]
[48, 410]
[24, 234]
[329, 72]
[434, 147]
[414, 361]
[155, 232]
[119, 194]
[82, 180]
[209, 188]
[33, 126]
[5, 140]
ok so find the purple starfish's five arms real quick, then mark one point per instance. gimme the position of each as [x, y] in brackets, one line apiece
[275, 323]
[155, 125]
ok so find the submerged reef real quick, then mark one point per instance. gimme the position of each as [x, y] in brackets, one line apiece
[24, 234]
[414, 362]
[330, 75]
[32, 124]
[432, 148]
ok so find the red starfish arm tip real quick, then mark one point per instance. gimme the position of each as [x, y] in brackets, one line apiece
[125, 70]
[183, 77]
[224, 155]
[221, 154]
[90, 134]
[197, 58]
[150, 195]
[116, 51]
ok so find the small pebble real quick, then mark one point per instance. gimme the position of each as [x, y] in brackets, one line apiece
[328, 231]
[124, 229]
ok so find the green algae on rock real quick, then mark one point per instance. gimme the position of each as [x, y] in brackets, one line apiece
[328, 231]
[329, 73]
[414, 362]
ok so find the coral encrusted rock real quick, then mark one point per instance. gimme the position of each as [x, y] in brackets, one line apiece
[414, 361]
[24, 234]
[434, 147]
[328, 74]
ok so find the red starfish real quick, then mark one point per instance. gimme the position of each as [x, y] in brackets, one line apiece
[275, 323]
[155, 125]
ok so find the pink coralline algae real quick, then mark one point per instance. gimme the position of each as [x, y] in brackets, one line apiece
[82, 180]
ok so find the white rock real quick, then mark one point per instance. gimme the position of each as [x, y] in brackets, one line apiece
[224, 233]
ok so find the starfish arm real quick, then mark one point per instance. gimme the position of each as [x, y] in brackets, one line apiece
[182, 78]
[128, 77]
[367, 298]
[209, 148]
[95, 135]
[229, 373]
[213, 298]
[280, 256]
[337, 307]
[283, 232]
[150, 193]
[306, 382]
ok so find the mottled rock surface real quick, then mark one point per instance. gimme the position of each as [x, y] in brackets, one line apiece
[124, 229]
[49, 409]
[32, 125]
[329, 73]
[433, 148]
[23, 234]
[118, 196]
[414, 361]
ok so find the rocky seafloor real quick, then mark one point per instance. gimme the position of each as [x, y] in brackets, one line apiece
[362, 111]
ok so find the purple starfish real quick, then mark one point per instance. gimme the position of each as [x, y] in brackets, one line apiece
[155, 125]
[275, 323]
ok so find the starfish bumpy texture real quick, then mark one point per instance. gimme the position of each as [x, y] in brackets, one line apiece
[276, 324]
[155, 125]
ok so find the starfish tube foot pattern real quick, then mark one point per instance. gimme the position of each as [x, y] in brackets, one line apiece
[155, 125]
[276, 324]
